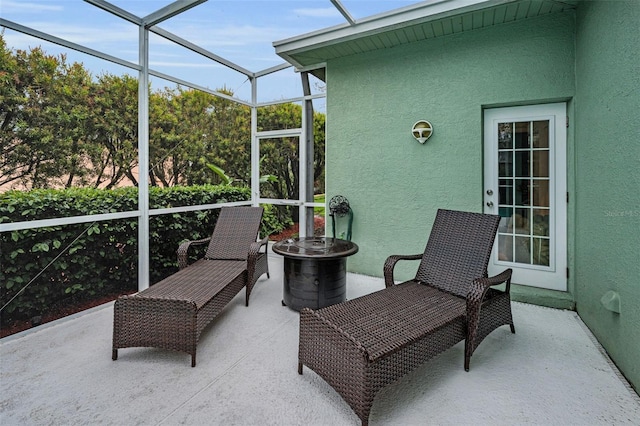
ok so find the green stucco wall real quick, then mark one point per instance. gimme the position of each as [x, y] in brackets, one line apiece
[394, 184]
[607, 154]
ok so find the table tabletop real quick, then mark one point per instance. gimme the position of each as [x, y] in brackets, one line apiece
[315, 248]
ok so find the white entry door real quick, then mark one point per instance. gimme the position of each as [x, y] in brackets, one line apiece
[525, 183]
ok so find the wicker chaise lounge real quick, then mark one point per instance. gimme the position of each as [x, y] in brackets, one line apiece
[362, 345]
[172, 313]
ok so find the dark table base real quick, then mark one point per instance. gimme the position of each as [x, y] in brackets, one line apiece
[314, 283]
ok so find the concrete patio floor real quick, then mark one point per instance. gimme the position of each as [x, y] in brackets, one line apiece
[551, 372]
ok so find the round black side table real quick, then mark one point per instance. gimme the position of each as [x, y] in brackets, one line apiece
[315, 271]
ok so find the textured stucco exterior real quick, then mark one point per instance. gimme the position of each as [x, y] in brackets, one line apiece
[587, 58]
[394, 184]
[607, 155]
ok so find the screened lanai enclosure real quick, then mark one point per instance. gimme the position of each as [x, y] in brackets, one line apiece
[124, 123]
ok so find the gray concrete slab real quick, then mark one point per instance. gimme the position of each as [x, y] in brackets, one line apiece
[551, 372]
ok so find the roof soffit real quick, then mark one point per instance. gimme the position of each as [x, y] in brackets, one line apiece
[421, 22]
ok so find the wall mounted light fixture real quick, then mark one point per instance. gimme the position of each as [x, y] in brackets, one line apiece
[422, 131]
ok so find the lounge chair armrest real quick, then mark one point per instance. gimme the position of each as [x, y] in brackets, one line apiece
[254, 249]
[183, 249]
[479, 288]
[503, 277]
[390, 264]
[252, 258]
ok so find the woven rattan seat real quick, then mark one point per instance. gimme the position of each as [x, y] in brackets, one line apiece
[361, 345]
[193, 281]
[386, 323]
[172, 313]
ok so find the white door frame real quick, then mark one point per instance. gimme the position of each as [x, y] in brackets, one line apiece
[553, 276]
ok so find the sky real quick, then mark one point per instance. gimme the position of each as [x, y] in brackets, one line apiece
[241, 31]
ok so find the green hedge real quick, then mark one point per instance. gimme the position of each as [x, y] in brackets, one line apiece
[91, 260]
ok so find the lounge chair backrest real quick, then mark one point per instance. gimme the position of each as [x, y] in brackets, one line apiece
[458, 250]
[236, 229]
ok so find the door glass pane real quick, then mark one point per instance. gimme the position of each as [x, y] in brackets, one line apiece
[521, 223]
[541, 163]
[541, 222]
[505, 164]
[506, 191]
[523, 249]
[505, 135]
[522, 192]
[506, 213]
[522, 135]
[541, 251]
[541, 193]
[541, 134]
[522, 163]
[505, 248]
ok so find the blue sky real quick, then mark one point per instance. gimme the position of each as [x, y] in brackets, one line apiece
[241, 31]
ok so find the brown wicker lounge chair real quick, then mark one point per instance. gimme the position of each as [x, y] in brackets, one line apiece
[361, 345]
[172, 313]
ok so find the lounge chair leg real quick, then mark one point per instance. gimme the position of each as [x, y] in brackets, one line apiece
[193, 360]
[299, 368]
[467, 355]
[513, 329]
[114, 354]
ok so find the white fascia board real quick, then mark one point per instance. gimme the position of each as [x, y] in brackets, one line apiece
[313, 67]
[419, 13]
[289, 59]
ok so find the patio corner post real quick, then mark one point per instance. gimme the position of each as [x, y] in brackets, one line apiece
[143, 160]
[307, 149]
[255, 146]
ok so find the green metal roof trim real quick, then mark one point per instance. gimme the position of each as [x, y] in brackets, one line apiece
[422, 21]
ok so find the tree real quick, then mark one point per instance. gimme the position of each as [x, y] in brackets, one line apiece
[61, 127]
[190, 129]
[114, 154]
[27, 142]
[68, 116]
[229, 138]
[45, 118]
[318, 152]
[282, 154]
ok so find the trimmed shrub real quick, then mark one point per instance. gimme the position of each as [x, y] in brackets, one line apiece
[46, 267]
